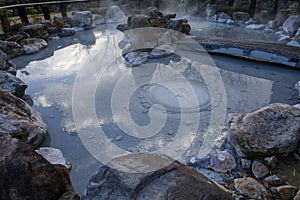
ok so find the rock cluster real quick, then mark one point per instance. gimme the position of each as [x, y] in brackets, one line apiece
[257, 142]
[284, 23]
[155, 18]
[25, 174]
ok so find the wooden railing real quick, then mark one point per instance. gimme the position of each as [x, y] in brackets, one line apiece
[21, 8]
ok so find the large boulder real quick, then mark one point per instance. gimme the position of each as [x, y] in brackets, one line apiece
[138, 21]
[17, 37]
[271, 130]
[12, 84]
[292, 24]
[66, 32]
[11, 49]
[223, 17]
[33, 45]
[27, 175]
[97, 20]
[19, 120]
[82, 19]
[150, 176]
[114, 14]
[35, 30]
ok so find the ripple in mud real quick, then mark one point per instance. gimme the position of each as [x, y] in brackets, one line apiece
[152, 94]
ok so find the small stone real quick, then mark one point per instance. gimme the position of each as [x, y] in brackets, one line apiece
[193, 160]
[287, 192]
[246, 164]
[274, 181]
[136, 58]
[54, 156]
[65, 32]
[119, 138]
[249, 187]
[259, 170]
[222, 161]
[271, 162]
[256, 26]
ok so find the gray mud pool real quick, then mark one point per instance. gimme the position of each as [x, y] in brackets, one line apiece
[91, 62]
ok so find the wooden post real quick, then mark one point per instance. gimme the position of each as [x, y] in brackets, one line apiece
[156, 3]
[4, 20]
[46, 12]
[138, 3]
[23, 15]
[252, 8]
[63, 10]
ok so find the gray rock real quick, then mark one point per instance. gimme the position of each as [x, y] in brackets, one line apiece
[249, 187]
[259, 170]
[82, 19]
[284, 39]
[138, 21]
[136, 58]
[97, 19]
[53, 30]
[122, 27]
[3, 61]
[295, 42]
[280, 34]
[54, 156]
[292, 24]
[162, 51]
[27, 175]
[230, 22]
[256, 26]
[245, 163]
[19, 120]
[66, 32]
[287, 192]
[180, 25]
[114, 14]
[11, 49]
[251, 21]
[223, 17]
[243, 16]
[18, 37]
[274, 181]
[271, 130]
[35, 30]
[33, 45]
[12, 84]
[271, 162]
[222, 161]
[150, 176]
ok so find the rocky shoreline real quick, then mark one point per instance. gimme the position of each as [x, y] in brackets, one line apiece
[246, 166]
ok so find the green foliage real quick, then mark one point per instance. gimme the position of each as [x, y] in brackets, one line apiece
[293, 7]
